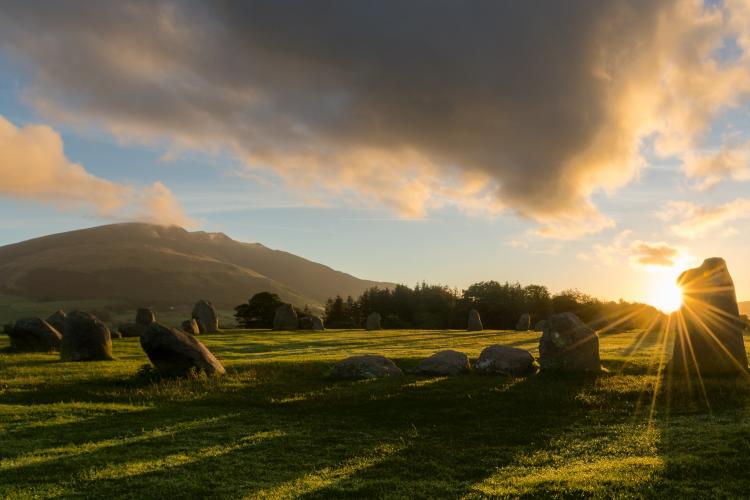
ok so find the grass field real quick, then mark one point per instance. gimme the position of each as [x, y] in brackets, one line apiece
[277, 427]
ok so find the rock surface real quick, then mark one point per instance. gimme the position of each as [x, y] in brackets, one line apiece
[446, 362]
[144, 316]
[505, 360]
[176, 353]
[710, 343]
[317, 324]
[34, 335]
[366, 366]
[190, 326]
[475, 322]
[85, 338]
[204, 313]
[57, 320]
[373, 322]
[285, 318]
[305, 323]
[539, 326]
[567, 344]
[131, 329]
[524, 323]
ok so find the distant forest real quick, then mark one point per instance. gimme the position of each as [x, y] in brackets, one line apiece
[499, 305]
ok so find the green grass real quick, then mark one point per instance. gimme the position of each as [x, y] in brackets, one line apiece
[276, 427]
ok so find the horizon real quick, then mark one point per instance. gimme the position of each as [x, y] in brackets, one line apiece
[445, 171]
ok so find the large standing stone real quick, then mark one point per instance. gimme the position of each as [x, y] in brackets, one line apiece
[131, 329]
[524, 323]
[317, 324]
[144, 316]
[204, 313]
[57, 320]
[446, 362]
[373, 322]
[34, 335]
[285, 318]
[190, 326]
[475, 322]
[366, 366]
[567, 344]
[709, 341]
[505, 360]
[176, 353]
[85, 338]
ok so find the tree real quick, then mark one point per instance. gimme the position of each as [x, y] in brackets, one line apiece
[259, 311]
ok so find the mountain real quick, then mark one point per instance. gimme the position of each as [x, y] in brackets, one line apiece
[144, 264]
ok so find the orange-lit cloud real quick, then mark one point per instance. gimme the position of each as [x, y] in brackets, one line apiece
[691, 220]
[638, 252]
[658, 254]
[498, 106]
[732, 161]
[33, 166]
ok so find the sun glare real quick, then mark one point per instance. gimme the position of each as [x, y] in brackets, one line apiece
[665, 295]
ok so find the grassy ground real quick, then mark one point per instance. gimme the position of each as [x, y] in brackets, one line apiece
[276, 427]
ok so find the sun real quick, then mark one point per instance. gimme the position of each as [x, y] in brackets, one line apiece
[665, 294]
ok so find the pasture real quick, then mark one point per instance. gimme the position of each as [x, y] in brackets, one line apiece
[277, 427]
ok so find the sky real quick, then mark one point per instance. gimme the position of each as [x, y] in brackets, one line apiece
[603, 146]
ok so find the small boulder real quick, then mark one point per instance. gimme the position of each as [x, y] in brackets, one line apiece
[204, 313]
[131, 329]
[114, 333]
[539, 326]
[285, 318]
[144, 316]
[505, 360]
[567, 344]
[305, 323]
[190, 326]
[446, 362]
[57, 320]
[85, 338]
[176, 353]
[373, 322]
[34, 335]
[366, 366]
[317, 323]
[524, 323]
[475, 322]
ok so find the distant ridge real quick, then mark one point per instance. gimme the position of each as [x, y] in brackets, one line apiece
[165, 266]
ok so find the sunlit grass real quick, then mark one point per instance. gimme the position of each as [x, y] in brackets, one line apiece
[276, 427]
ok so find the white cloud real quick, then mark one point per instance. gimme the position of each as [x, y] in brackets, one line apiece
[691, 220]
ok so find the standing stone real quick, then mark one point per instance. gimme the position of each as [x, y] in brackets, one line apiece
[524, 323]
[206, 316]
[57, 320]
[85, 338]
[176, 353]
[373, 322]
[709, 342]
[446, 362]
[305, 323]
[114, 333]
[539, 326]
[34, 335]
[567, 344]
[475, 322]
[131, 329]
[505, 360]
[144, 316]
[364, 367]
[285, 318]
[190, 326]
[317, 324]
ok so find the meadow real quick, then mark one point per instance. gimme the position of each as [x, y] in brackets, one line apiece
[277, 427]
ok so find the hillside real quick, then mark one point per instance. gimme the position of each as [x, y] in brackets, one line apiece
[144, 264]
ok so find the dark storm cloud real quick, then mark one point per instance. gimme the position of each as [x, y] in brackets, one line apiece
[529, 106]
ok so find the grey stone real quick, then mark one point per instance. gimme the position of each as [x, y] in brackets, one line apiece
[317, 324]
[475, 322]
[305, 323]
[446, 362]
[285, 318]
[373, 322]
[364, 367]
[539, 326]
[567, 344]
[144, 316]
[85, 338]
[175, 353]
[34, 335]
[57, 320]
[505, 360]
[524, 323]
[131, 329]
[709, 342]
[190, 326]
[204, 313]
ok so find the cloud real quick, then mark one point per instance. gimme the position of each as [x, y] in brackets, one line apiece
[691, 220]
[653, 254]
[33, 166]
[489, 106]
[638, 252]
[731, 160]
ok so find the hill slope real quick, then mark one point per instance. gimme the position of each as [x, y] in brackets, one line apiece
[165, 267]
